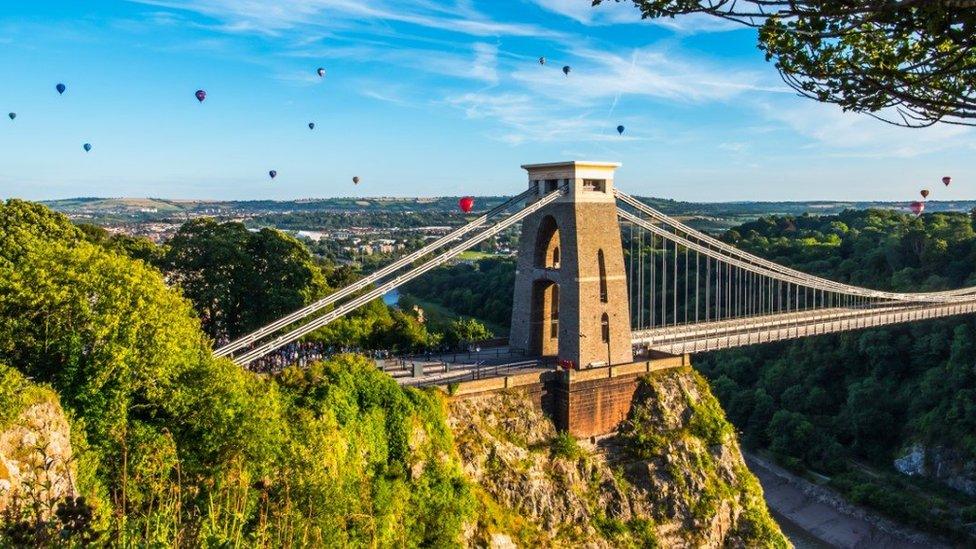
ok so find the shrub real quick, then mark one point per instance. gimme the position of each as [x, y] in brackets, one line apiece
[565, 445]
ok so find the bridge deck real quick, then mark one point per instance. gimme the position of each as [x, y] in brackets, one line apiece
[710, 336]
[446, 368]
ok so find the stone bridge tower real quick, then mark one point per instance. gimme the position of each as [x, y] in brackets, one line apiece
[570, 285]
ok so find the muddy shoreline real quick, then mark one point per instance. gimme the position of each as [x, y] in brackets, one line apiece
[823, 518]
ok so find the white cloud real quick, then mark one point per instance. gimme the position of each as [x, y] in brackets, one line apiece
[841, 133]
[525, 118]
[618, 13]
[388, 95]
[485, 65]
[583, 12]
[540, 104]
[272, 17]
[733, 146]
[650, 72]
[480, 63]
[521, 117]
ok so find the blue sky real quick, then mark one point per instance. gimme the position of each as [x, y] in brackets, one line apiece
[425, 97]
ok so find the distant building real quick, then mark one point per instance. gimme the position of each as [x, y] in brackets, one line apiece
[311, 235]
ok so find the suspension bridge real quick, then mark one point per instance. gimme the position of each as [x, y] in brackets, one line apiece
[605, 280]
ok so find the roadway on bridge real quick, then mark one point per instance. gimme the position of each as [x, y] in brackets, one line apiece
[694, 338]
[446, 368]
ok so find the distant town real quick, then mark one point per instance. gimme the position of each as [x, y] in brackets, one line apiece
[367, 231]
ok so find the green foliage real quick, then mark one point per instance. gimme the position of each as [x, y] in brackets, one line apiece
[844, 391]
[134, 247]
[16, 394]
[635, 533]
[822, 402]
[866, 56]
[708, 422]
[365, 447]
[565, 445]
[103, 330]
[239, 280]
[481, 290]
[376, 326]
[686, 434]
[68, 522]
[909, 501]
[464, 331]
[34, 517]
[188, 450]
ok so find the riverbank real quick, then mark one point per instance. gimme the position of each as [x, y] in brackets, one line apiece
[822, 514]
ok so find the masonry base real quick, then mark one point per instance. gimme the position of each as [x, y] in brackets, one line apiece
[586, 403]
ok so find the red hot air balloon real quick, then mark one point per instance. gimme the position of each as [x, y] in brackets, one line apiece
[924, 193]
[466, 204]
[272, 173]
[201, 95]
[917, 207]
[946, 180]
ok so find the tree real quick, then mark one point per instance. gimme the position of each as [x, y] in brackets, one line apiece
[239, 280]
[207, 260]
[466, 330]
[909, 62]
[125, 354]
[132, 246]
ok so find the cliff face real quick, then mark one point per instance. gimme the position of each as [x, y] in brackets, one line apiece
[946, 465]
[671, 476]
[35, 444]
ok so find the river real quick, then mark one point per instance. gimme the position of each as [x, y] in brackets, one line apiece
[799, 537]
[392, 297]
[812, 516]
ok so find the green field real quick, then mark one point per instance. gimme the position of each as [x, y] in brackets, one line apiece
[438, 316]
[471, 255]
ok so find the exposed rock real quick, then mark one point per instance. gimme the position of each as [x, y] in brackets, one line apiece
[672, 476]
[35, 456]
[502, 541]
[913, 462]
[946, 465]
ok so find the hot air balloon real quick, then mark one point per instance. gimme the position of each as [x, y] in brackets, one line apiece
[12, 115]
[272, 174]
[311, 125]
[620, 130]
[924, 193]
[566, 70]
[917, 207]
[87, 147]
[355, 179]
[946, 180]
[60, 88]
[201, 95]
[466, 204]
[321, 72]
[542, 60]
